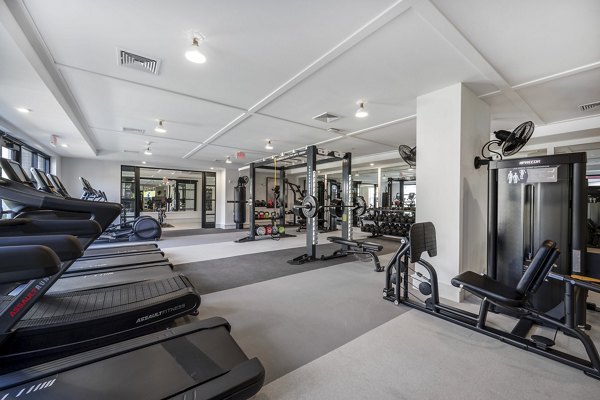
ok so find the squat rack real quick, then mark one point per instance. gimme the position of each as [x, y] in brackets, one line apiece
[309, 157]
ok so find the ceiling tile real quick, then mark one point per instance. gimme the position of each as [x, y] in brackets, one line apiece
[388, 70]
[110, 104]
[252, 48]
[254, 132]
[558, 99]
[527, 40]
[393, 135]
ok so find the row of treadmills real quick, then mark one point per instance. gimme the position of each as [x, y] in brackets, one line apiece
[100, 323]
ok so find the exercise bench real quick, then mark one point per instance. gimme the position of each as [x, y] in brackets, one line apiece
[355, 247]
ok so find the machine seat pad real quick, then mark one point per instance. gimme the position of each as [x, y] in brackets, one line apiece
[484, 286]
[353, 243]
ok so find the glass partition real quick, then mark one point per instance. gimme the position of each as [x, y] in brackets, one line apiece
[147, 190]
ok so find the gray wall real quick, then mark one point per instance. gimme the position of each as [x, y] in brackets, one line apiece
[103, 175]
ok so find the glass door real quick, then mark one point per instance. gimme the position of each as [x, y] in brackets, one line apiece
[209, 199]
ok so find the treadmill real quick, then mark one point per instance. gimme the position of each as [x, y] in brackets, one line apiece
[199, 360]
[81, 275]
[53, 183]
[71, 321]
[15, 172]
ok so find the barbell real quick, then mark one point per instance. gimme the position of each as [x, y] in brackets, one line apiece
[310, 206]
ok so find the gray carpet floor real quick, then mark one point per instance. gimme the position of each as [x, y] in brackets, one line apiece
[293, 320]
[416, 356]
[227, 273]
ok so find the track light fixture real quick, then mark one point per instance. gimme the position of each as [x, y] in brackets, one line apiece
[160, 127]
[269, 146]
[193, 53]
[361, 112]
[228, 160]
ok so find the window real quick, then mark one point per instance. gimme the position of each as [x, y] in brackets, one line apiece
[27, 156]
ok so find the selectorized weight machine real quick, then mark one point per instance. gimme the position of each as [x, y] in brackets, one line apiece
[417, 286]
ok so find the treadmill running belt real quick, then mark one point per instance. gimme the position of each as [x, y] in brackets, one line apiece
[74, 319]
[197, 361]
[111, 262]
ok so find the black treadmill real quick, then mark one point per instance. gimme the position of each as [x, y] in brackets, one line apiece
[91, 317]
[199, 360]
[52, 184]
[15, 172]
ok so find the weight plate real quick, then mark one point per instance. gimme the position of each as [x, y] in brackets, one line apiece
[338, 207]
[361, 206]
[309, 206]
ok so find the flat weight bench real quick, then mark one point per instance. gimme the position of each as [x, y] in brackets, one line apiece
[355, 247]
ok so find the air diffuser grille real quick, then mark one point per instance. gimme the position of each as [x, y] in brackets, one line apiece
[589, 106]
[139, 62]
[134, 130]
[327, 117]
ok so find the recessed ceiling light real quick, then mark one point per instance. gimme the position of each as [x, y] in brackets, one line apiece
[147, 151]
[269, 146]
[371, 164]
[64, 145]
[143, 162]
[212, 167]
[361, 112]
[228, 160]
[160, 128]
[23, 110]
[356, 174]
[172, 173]
[193, 53]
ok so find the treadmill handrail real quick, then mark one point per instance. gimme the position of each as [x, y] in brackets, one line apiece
[104, 213]
[26, 262]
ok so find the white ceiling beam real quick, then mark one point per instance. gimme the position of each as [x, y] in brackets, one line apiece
[387, 15]
[455, 38]
[15, 17]
[559, 75]
[561, 143]
[568, 126]
[548, 78]
[145, 85]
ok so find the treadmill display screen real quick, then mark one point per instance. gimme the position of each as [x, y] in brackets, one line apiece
[18, 170]
[44, 179]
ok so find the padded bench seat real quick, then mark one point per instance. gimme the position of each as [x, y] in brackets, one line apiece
[355, 247]
[354, 243]
[484, 286]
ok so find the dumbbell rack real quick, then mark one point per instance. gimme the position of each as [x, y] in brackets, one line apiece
[388, 222]
[278, 218]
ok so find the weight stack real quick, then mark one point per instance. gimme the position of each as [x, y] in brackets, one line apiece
[239, 206]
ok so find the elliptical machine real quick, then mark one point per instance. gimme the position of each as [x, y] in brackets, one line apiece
[143, 227]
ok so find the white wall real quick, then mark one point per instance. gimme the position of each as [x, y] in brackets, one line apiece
[103, 175]
[452, 125]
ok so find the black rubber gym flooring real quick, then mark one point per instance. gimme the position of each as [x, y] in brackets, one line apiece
[203, 231]
[227, 273]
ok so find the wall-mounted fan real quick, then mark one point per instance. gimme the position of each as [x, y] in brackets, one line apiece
[408, 154]
[509, 142]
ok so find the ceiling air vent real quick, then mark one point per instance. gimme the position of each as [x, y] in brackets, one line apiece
[589, 106]
[327, 117]
[137, 131]
[136, 61]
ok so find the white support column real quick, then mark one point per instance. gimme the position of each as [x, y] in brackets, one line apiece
[452, 126]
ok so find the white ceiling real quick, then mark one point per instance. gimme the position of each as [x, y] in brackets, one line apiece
[272, 66]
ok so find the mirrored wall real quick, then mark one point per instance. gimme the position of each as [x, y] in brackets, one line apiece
[180, 193]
